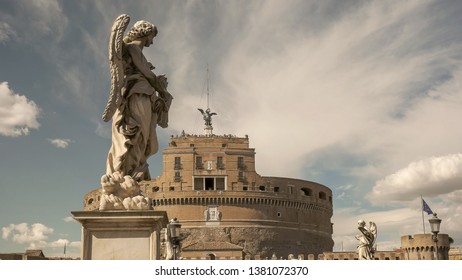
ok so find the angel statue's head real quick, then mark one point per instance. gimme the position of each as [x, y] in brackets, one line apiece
[361, 223]
[141, 29]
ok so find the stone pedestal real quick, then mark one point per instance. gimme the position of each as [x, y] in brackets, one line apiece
[121, 235]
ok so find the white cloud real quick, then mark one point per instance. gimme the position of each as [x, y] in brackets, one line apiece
[431, 176]
[6, 32]
[58, 243]
[69, 219]
[60, 143]
[44, 17]
[17, 113]
[35, 235]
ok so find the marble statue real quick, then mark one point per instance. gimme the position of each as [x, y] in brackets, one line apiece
[168, 244]
[366, 240]
[138, 103]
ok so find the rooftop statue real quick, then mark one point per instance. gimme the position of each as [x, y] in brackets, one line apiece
[138, 102]
[366, 240]
[207, 117]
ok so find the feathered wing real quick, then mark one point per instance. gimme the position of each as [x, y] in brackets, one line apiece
[116, 65]
[373, 230]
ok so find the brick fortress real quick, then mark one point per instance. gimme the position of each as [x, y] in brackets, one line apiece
[227, 210]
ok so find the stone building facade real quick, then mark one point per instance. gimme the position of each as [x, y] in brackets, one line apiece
[210, 184]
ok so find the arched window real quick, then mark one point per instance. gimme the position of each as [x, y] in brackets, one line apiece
[307, 191]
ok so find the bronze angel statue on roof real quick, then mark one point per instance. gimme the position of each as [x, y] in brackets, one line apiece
[367, 238]
[207, 116]
[138, 102]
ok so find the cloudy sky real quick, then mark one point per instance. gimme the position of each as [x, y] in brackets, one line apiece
[362, 96]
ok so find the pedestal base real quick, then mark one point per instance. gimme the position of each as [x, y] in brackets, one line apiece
[121, 235]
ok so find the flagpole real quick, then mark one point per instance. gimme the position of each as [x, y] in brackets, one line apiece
[422, 210]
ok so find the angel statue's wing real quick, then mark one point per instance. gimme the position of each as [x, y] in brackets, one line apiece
[200, 110]
[373, 230]
[116, 65]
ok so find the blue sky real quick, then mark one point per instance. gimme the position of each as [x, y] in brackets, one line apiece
[362, 96]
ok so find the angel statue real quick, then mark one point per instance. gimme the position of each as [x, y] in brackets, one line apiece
[207, 116]
[138, 102]
[366, 240]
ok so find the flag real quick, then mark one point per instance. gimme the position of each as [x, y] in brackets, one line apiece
[426, 208]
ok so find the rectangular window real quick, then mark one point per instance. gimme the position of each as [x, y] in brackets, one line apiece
[220, 164]
[177, 176]
[240, 162]
[241, 177]
[199, 164]
[209, 183]
[198, 184]
[177, 163]
[220, 184]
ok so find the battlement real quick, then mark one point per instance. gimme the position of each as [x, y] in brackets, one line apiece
[208, 141]
[423, 247]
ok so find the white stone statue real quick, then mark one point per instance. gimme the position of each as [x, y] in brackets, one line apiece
[168, 244]
[366, 240]
[138, 102]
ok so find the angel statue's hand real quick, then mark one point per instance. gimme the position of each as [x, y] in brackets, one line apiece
[162, 81]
